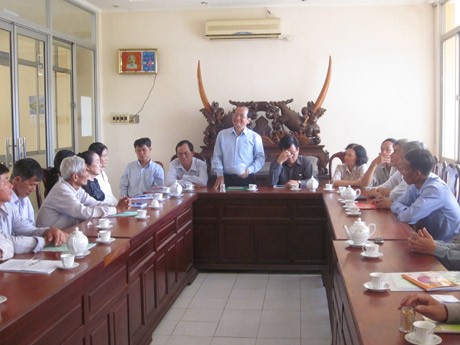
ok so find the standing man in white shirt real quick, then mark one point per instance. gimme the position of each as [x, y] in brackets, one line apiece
[26, 176]
[238, 152]
[186, 168]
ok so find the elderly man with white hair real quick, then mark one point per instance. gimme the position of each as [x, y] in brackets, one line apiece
[68, 204]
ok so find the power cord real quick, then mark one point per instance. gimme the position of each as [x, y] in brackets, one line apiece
[148, 96]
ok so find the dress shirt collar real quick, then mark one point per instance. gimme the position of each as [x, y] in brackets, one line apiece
[146, 166]
[193, 167]
[245, 131]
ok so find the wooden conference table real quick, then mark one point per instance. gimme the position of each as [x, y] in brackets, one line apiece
[120, 292]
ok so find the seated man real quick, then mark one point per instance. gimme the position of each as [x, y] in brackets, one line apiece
[380, 169]
[238, 152]
[431, 308]
[24, 236]
[54, 172]
[26, 176]
[141, 175]
[68, 204]
[186, 168]
[290, 168]
[6, 248]
[428, 202]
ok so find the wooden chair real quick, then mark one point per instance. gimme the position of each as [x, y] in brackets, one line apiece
[451, 176]
[195, 154]
[50, 177]
[439, 167]
[340, 155]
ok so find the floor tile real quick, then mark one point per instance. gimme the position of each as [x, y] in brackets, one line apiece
[271, 341]
[165, 327]
[233, 341]
[280, 316]
[245, 304]
[279, 330]
[205, 315]
[189, 340]
[191, 328]
[174, 314]
[248, 293]
[282, 304]
[207, 303]
[316, 330]
[159, 339]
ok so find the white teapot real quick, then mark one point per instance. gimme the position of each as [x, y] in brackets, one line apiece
[77, 242]
[312, 184]
[350, 194]
[359, 232]
[176, 188]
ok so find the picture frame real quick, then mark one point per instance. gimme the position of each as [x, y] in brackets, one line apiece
[137, 61]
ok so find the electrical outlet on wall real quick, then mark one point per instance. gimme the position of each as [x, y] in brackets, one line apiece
[120, 117]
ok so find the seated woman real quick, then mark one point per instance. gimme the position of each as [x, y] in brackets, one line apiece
[351, 172]
[102, 178]
[93, 167]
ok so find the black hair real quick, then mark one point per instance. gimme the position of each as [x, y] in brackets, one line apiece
[420, 160]
[287, 141]
[182, 142]
[3, 169]
[88, 156]
[26, 169]
[143, 142]
[97, 147]
[361, 154]
[392, 140]
[60, 155]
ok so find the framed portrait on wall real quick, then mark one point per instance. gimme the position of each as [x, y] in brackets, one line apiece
[137, 61]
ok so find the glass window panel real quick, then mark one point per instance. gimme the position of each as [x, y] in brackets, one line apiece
[31, 10]
[5, 92]
[450, 99]
[72, 20]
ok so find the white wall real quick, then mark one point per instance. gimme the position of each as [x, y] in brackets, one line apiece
[382, 79]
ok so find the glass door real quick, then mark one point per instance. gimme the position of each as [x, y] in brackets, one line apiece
[6, 112]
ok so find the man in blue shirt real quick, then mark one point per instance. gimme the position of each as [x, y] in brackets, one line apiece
[238, 152]
[143, 174]
[428, 202]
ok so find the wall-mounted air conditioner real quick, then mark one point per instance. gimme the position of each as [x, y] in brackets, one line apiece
[243, 28]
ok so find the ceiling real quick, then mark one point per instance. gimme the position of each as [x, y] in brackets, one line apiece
[139, 5]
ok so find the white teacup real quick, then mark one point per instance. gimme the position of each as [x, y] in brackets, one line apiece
[377, 280]
[158, 196]
[350, 203]
[104, 222]
[189, 186]
[142, 213]
[371, 249]
[423, 331]
[252, 187]
[104, 235]
[353, 209]
[155, 203]
[342, 189]
[295, 187]
[328, 186]
[166, 190]
[67, 259]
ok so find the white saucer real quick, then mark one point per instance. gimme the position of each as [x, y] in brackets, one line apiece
[104, 227]
[365, 255]
[353, 213]
[410, 337]
[189, 190]
[294, 189]
[370, 287]
[328, 190]
[82, 255]
[253, 190]
[352, 244]
[161, 200]
[99, 240]
[176, 196]
[61, 266]
[155, 207]
[3, 299]
[146, 217]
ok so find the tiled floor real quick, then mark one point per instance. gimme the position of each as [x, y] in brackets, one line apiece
[248, 309]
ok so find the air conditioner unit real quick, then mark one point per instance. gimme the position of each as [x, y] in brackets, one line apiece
[243, 28]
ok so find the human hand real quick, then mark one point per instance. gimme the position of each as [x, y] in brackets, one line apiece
[284, 156]
[422, 242]
[219, 181]
[384, 191]
[372, 193]
[382, 202]
[425, 305]
[245, 174]
[124, 204]
[55, 236]
[291, 183]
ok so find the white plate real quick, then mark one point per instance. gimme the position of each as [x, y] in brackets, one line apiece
[146, 217]
[370, 287]
[104, 227]
[161, 200]
[155, 207]
[3, 299]
[99, 240]
[253, 190]
[410, 337]
[353, 213]
[352, 244]
[294, 189]
[82, 255]
[176, 196]
[61, 266]
[365, 255]
[328, 190]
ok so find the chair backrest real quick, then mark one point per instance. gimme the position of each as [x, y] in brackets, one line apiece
[439, 167]
[160, 164]
[451, 176]
[340, 155]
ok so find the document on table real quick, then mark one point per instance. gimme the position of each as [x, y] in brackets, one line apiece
[63, 248]
[29, 266]
[398, 283]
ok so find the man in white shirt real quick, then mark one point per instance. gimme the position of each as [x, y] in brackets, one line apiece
[24, 236]
[26, 176]
[186, 168]
[68, 204]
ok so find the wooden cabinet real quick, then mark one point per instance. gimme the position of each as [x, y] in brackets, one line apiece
[259, 231]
